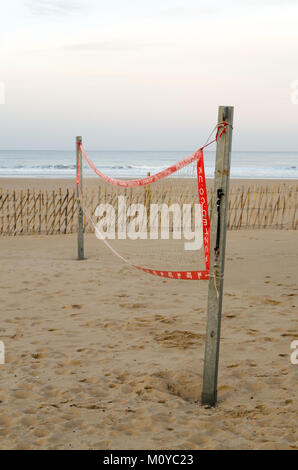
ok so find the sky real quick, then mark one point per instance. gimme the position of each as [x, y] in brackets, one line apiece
[134, 74]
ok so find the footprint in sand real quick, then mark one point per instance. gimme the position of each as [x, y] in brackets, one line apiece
[168, 321]
[6, 420]
[133, 306]
[29, 421]
[41, 432]
[185, 385]
[179, 339]
[90, 380]
[21, 394]
[38, 355]
[271, 302]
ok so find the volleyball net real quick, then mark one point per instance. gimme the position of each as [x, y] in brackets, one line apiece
[158, 224]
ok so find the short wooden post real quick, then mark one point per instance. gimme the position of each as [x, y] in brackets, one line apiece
[80, 209]
[217, 257]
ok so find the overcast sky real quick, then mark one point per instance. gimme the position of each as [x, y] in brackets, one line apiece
[136, 74]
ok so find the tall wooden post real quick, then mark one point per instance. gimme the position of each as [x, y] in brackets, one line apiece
[80, 211]
[217, 257]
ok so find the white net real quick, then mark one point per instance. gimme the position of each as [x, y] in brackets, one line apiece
[159, 224]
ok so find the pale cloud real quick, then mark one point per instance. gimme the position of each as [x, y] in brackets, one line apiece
[115, 45]
[54, 7]
[2, 93]
[117, 69]
[212, 8]
[185, 12]
[273, 2]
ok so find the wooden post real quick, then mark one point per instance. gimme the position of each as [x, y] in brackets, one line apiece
[80, 209]
[217, 257]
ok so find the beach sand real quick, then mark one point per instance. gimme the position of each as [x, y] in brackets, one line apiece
[101, 356]
[48, 184]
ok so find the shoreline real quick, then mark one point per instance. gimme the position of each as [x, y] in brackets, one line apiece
[69, 183]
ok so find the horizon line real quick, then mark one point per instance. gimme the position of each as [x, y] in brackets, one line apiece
[137, 150]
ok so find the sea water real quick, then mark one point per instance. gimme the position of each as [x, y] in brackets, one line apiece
[136, 164]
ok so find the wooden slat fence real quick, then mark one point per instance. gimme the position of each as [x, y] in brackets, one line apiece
[43, 212]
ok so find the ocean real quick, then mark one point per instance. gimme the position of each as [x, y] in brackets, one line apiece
[136, 164]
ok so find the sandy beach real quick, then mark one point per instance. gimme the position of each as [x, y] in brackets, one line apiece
[99, 356]
[48, 184]
[149, 230]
